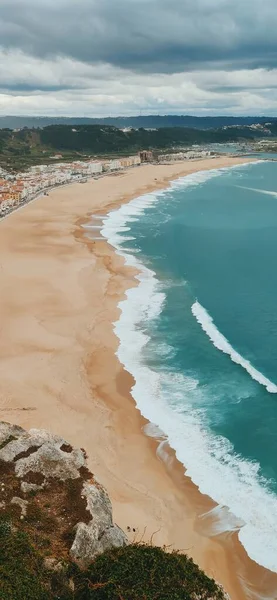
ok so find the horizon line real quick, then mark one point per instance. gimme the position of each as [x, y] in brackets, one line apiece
[132, 116]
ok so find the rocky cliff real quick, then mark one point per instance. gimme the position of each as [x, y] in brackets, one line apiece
[47, 485]
[57, 536]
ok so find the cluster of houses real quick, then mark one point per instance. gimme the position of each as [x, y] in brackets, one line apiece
[25, 186]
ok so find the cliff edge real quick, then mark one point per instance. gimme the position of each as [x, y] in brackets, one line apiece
[58, 540]
[46, 484]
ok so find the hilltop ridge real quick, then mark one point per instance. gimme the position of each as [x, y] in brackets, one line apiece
[136, 121]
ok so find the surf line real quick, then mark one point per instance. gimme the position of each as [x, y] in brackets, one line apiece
[221, 343]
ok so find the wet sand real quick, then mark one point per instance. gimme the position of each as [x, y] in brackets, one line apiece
[59, 292]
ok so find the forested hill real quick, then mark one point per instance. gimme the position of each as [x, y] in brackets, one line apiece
[21, 148]
[147, 121]
[105, 139]
[108, 139]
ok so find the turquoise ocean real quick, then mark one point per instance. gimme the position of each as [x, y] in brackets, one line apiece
[199, 335]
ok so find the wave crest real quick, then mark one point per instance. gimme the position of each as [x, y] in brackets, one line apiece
[221, 343]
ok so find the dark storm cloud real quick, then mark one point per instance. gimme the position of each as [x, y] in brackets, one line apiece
[145, 35]
[99, 57]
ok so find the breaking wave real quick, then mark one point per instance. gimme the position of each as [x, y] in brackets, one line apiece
[164, 399]
[220, 342]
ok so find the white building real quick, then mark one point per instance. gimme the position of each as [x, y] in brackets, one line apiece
[114, 165]
[94, 168]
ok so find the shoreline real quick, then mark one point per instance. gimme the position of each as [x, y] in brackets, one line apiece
[59, 370]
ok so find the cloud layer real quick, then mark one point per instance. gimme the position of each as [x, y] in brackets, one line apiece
[120, 57]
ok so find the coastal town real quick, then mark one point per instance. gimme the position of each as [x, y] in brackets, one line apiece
[21, 188]
[18, 189]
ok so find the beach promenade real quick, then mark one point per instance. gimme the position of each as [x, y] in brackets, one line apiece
[59, 294]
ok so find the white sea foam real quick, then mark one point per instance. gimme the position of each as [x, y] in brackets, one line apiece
[220, 342]
[164, 398]
[218, 519]
[153, 431]
[266, 192]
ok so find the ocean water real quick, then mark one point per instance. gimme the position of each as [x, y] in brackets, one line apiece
[199, 335]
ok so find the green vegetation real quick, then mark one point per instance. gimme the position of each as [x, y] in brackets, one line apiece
[107, 140]
[20, 149]
[144, 572]
[136, 572]
[21, 567]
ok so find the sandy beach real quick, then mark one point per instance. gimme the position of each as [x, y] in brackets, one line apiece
[59, 292]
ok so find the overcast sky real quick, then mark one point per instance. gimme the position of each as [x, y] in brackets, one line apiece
[123, 57]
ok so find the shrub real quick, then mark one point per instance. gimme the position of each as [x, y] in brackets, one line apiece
[136, 572]
[20, 567]
[142, 572]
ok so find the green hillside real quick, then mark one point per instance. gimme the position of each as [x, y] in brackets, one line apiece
[22, 148]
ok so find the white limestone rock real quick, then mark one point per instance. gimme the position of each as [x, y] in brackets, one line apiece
[45, 457]
[8, 431]
[100, 534]
[23, 505]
